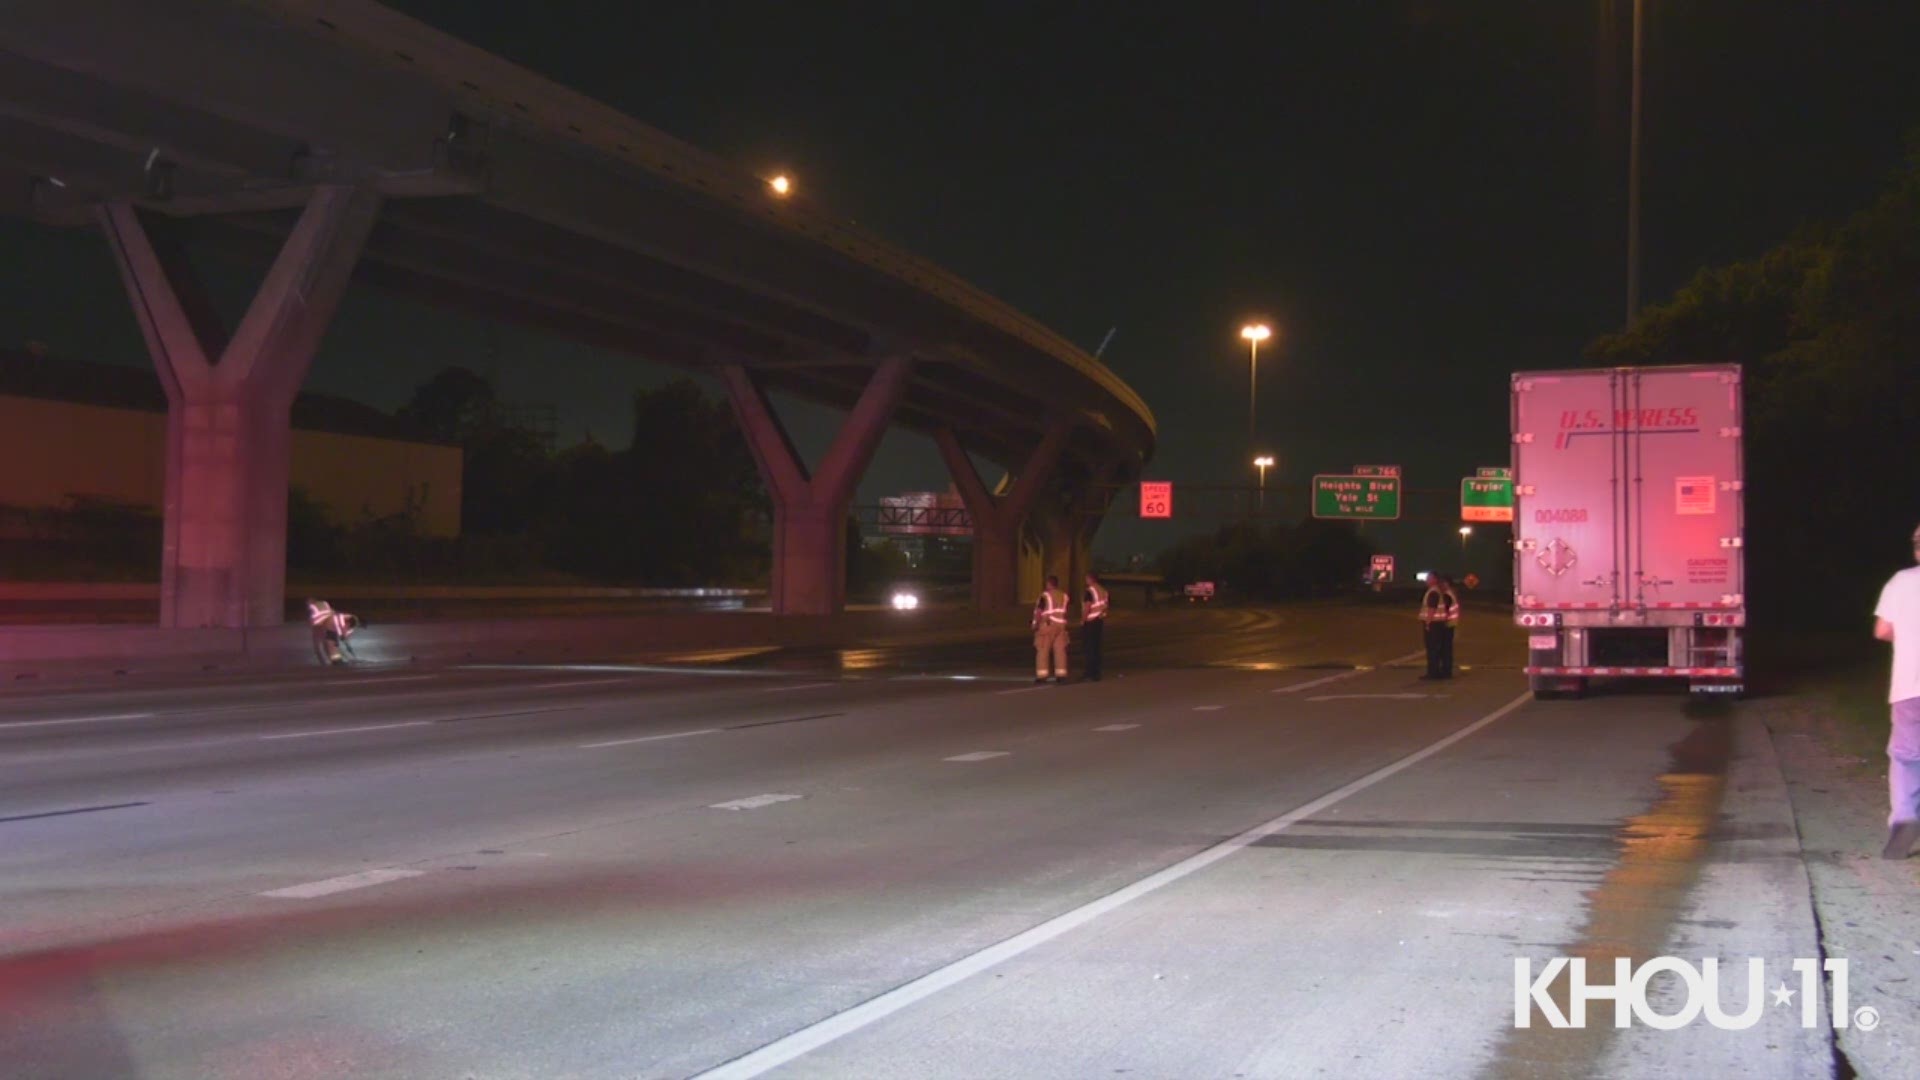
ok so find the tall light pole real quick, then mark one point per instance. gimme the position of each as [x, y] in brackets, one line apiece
[1255, 333]
[1465, 531]
[1633, 179]
[1263, 463]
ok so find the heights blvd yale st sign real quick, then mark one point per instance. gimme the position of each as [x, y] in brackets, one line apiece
[1362, 495]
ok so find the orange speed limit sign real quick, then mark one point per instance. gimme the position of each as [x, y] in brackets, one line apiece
[1156, 498]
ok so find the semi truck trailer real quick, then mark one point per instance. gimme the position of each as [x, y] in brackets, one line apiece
[1628, 526]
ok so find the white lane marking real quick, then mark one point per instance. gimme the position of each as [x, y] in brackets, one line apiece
[753, 802]
[340, 884]
[802, 686]
[1362, 670]
[1024, 689]
[346, 730]
[1208, 708]
[383, 680]
[566, 685]
[1376, 697]
[813, 1037]
[978, 755]
[78, 720]
[650, 738]
[1117, 727]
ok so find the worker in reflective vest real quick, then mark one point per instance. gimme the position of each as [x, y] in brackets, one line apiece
[325, 626]
[1050, 633]
[1439, 614]
[1093, 625]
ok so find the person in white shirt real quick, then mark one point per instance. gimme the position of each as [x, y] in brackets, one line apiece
[1897, 620]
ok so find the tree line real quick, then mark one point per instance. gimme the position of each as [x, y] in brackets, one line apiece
[1827, 326]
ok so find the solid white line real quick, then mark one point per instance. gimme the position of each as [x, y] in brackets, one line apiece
[802, 686]
[753, 802]
[77, 720]
[1208, 708]
[815, 1036]
[650, 738]
[978, 755]
[1024, 689]
[382, 680]
[576, 682]
[347, 730]
[1117, 727]
[341, 884]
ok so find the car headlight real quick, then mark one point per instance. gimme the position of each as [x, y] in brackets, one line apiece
[905, 601]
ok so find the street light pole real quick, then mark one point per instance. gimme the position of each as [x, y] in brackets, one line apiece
[1263, 463]
[1255, 333]
[1633, 179]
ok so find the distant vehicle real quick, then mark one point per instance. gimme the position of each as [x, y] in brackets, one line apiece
[1199, 592]
[1629, 526]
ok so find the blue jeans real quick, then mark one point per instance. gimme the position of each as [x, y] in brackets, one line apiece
[1903, 762]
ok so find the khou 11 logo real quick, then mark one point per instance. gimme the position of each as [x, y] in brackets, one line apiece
[1628, 993]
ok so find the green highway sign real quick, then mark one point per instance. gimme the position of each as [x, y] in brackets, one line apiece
[1370, 497]
[1486, 499]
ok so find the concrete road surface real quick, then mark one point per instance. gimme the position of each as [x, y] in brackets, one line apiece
[1262, 847]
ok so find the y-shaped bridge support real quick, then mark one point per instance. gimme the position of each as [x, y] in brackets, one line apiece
[810, 510]
[997, 521]
[230, 401]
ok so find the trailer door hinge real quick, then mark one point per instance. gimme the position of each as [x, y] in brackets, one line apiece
[1733, 542]
[1526, 489]
[1729, 432]
[1733, 485]
[1523, 437]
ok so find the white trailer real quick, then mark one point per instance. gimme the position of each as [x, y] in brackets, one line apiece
[1629, 526]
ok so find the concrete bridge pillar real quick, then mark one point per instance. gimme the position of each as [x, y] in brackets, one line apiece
[230, 400]
[998, 521]
[810, 511]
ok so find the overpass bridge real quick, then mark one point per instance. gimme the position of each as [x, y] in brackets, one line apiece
[341, 141]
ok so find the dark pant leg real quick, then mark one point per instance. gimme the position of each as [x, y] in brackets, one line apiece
[1446, 651]
[1092, 640]
[1430, 636]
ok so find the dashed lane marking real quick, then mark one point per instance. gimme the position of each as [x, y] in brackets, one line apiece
[346, 730]
[978, 755]
[345, 883]
[802, 686]
[78, 720]
[754, 802]
[650, 738]
[1117, 727]
[1374, 697]
[1208, 708]
[1311, 683]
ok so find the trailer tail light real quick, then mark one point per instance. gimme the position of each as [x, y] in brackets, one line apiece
[1719, 619]
[1541, 619]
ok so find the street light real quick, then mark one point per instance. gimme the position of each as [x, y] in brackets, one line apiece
[1465, 531]
[782, 185]
[1255, 333]
[1263, 463]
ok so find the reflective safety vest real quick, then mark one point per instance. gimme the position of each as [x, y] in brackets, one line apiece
[321, 614]
[1439, 607]
[1051, 610]
[1096, 606]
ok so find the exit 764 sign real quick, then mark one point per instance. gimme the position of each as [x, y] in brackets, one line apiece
[1372, 497]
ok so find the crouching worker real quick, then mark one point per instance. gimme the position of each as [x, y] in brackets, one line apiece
[330, 629]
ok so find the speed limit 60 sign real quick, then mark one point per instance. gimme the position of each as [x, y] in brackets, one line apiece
[1156, 498]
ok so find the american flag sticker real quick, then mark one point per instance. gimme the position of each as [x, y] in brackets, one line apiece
[1693, 495]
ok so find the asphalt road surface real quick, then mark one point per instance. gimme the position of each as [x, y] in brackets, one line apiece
[1262, 847]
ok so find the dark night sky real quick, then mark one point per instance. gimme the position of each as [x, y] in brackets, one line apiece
[1423, 195]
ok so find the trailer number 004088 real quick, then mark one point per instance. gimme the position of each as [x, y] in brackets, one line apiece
[1560, 516]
